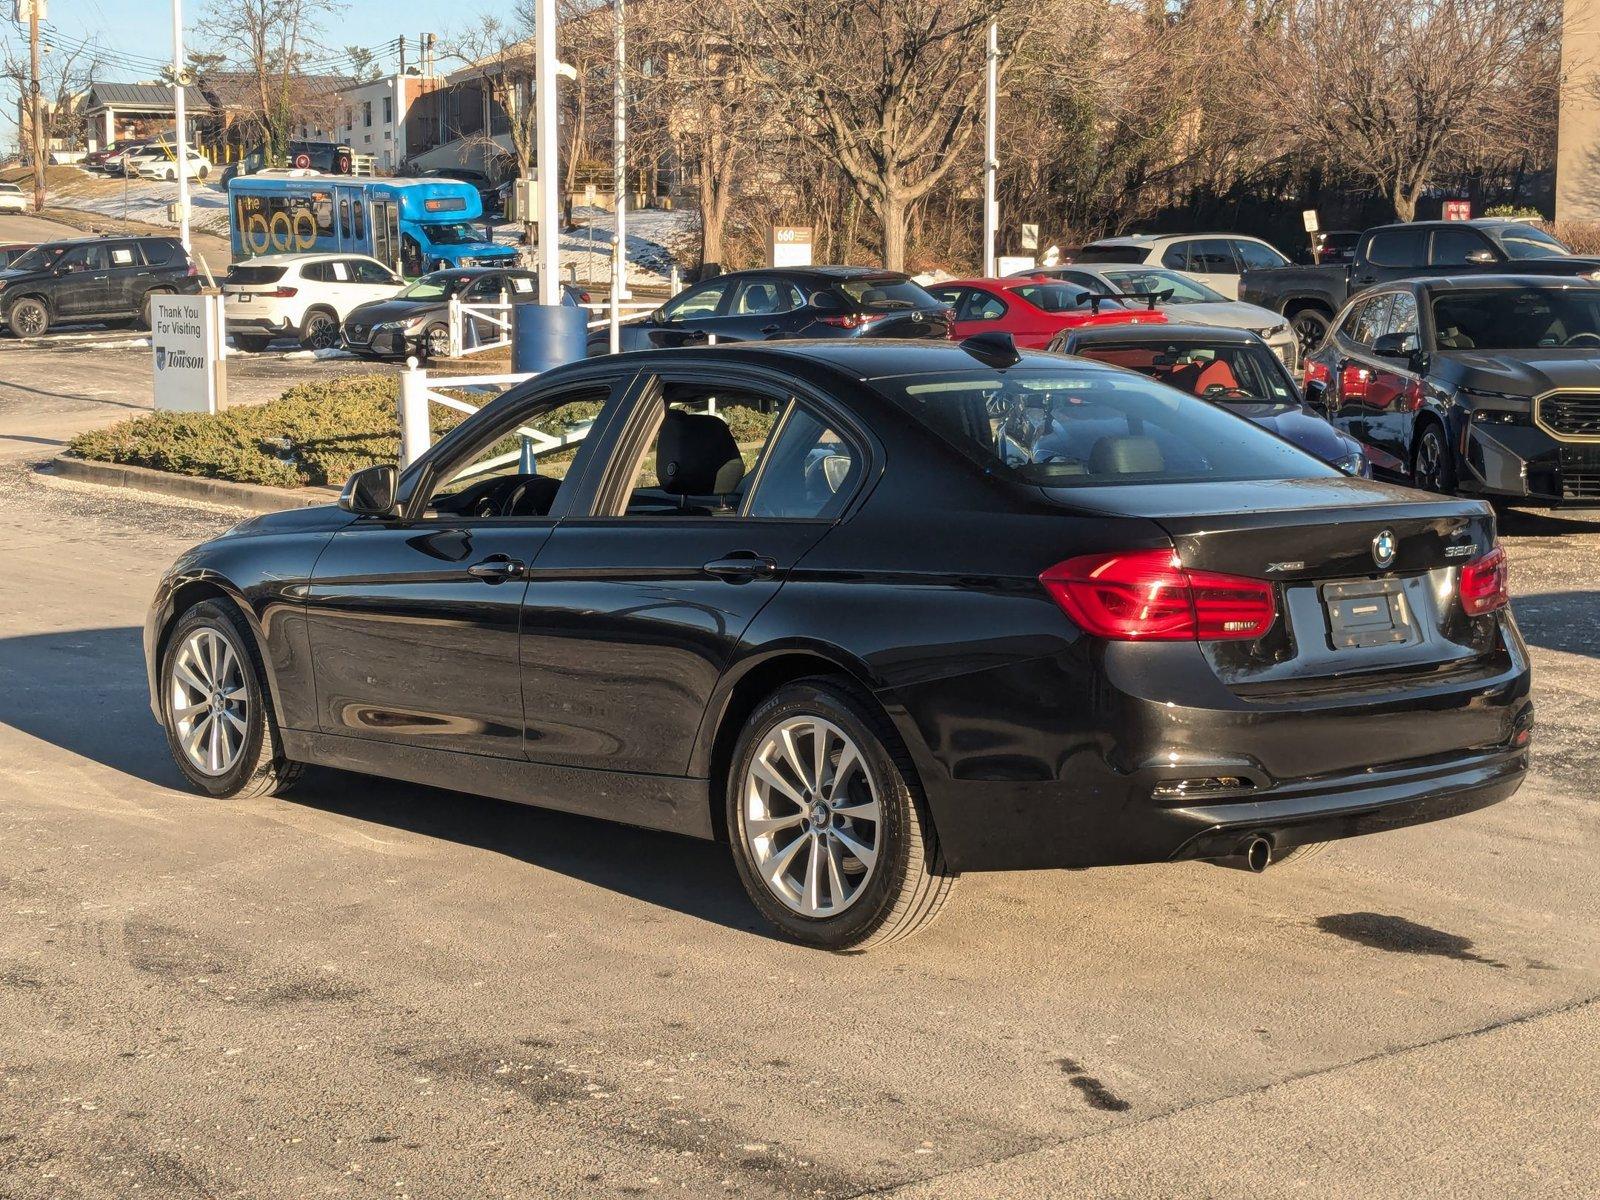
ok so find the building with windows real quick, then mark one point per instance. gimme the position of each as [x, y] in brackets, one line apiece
[370, 118]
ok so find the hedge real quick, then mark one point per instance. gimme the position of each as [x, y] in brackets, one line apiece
[315, 434]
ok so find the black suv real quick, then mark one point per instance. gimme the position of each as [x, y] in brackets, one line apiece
[91, 279]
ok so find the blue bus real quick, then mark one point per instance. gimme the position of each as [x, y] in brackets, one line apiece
[413, 225]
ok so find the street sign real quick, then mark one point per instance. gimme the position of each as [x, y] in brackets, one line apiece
[1010, 264]
[1030, 237]
[186, 341]
[1458, 210]
[1309, 216]
[789, 246]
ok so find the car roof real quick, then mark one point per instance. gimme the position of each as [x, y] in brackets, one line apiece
[299, 256]
[96, 239]
[1220, 334]
[862, 359]
[1469, 283]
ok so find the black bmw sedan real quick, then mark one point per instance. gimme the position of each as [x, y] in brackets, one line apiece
[1487, 385]
[794, 302]
[876, 615]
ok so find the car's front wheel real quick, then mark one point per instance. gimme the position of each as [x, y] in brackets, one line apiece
[436, 341]
[215, 706]
[1431, 465]
[29, 318]
[830, 834]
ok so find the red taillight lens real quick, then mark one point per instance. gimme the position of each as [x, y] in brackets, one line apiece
[1147, 595]
[1486, 583]
[1317, 373]
[283, 293]
[850, 321]
[583, 297]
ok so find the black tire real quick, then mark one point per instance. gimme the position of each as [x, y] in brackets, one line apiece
[908, 882]
[1432, 467]
[251, 343]
[261, 768]
[319, 329]
[28, 317]
[202, 171]
[144, 305]
[1311, 328]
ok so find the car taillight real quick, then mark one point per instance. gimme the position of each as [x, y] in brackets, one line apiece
[583, 297]
[849, 321]
[1485, 583]
[1317, 373]
[1147, 595]
[193, 270]
[282, 293]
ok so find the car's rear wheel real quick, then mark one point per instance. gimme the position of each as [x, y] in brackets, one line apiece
[215, 708]
[145, 313]
[1431, 466]
[28, 318]
[1310, 327]
[319, 330]
[829, 832]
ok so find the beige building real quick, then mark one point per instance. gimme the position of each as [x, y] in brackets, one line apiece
[1578, 130]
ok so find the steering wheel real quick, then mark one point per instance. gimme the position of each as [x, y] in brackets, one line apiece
[1583, 339]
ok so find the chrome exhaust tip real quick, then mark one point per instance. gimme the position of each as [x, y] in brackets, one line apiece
[1255, 856]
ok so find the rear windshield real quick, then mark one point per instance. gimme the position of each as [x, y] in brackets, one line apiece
[1084, 427]
[886, 292]
[1118, 254]
[1178, 289]
[255, 274]
[1518, 319]
[1059, 297]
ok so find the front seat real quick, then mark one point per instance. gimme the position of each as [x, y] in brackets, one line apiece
[696, 455]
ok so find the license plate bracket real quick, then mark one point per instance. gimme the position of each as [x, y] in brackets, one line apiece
[1368, 612]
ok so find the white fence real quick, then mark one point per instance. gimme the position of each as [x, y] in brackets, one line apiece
[418, 392]
[467, 322]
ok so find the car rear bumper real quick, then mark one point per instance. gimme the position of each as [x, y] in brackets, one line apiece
[1038, 765]
[276, 326]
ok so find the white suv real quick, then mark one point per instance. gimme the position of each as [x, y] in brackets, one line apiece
[305, 296]
[1215, 259]
[12, 198]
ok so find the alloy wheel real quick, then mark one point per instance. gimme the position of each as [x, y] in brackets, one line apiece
[209, 701]
[321, 331]
[28, 320]
[437, 340]
[1310, 329]
[811, 817]
[1429, 468]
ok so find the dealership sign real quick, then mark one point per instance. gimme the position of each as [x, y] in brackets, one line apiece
[186, 340]
[789, 246]
[1458, 210]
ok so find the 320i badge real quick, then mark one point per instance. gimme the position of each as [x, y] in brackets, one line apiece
[964, 609]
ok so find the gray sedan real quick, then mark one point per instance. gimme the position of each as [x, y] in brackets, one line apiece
[1199, 304]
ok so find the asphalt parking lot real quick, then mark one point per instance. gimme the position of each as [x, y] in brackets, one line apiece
[371, 989]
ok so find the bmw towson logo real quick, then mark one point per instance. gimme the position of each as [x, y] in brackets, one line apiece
[1383, 548]
[161, 357]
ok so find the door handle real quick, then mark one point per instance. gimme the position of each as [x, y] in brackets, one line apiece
[740, 566]
[497, 568]
[771, 328]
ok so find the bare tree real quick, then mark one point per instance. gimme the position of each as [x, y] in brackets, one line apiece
[270, 42]
[891, 89]
[1394, 88]
[65, 73]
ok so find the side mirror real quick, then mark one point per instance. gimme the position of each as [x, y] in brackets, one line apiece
[1481, 256]
[370, 492]
[1395, 345]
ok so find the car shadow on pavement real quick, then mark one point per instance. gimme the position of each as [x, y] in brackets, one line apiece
[84, 691]
[1559, 620]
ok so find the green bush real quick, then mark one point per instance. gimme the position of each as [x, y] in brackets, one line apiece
[315, 434]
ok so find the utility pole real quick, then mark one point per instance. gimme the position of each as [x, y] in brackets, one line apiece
[545, 164]
[180, 79]
[35, 10]
[991, 164]
[619, 178]
[402, 54]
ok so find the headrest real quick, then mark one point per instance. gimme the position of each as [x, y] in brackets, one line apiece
[697, 456]
[1125, 456]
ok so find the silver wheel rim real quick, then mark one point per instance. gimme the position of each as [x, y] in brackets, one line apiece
[811, 816]
[319, 331]
[1428, 463]
[209, 702]
[28, 320]
[438, 342]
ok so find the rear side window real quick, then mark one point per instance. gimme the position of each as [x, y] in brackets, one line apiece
[886, 291]
[1113, 254]
[159, 252]
[1076, 427]
[1404, 247]
[808, 470]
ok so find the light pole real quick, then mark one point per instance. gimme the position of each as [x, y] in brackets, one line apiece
[544, 100]
[181, 119]
[991, 165]
[619, 180]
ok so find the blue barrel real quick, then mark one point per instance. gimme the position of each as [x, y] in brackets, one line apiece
[547, 335]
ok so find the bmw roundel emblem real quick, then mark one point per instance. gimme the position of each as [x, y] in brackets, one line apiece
[1383, 548]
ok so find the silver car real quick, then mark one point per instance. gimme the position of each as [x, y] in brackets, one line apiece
[1197, 303]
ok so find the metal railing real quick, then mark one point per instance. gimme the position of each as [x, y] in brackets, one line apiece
[464, 324]
[418, 392]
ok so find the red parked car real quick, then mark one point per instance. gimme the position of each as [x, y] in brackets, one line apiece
[1032, 311]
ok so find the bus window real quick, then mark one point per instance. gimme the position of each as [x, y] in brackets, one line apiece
[281, 224]
[344, 218]
[361, 219]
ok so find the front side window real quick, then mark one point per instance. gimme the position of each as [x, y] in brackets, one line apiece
[1403, 316]
[982, 306]
[1372, 319]
[1076, 427]
[1455, 246]
[371, 272]
[515, 469]
[1256, 257]
[702, 301]
[83, 258]
[1518, 318]
[435, 286]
